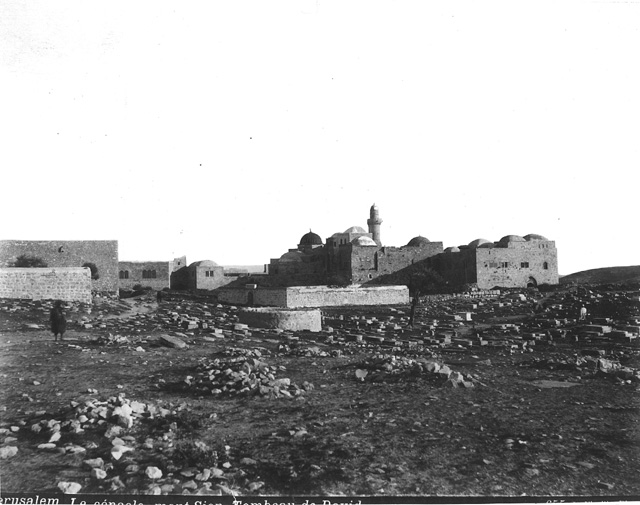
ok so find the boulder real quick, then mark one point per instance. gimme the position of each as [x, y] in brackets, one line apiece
[171, 341]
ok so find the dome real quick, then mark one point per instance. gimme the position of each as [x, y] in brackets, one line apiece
[310, 239]
[291, 257]
[204, 263]
[355, 229]
[533, 236]
[487, 245]
[418, 241]
[510, 238]
[363, 241]
[452, 250]
[478, 242]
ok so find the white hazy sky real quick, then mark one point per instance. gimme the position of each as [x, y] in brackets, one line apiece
[226, 130]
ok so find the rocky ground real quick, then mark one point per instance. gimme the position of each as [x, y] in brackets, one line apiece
[494, 396]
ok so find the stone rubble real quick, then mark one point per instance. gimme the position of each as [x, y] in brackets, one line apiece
[242, 372]
[452, 326]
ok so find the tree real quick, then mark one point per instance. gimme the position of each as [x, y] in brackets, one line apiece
[26, 261]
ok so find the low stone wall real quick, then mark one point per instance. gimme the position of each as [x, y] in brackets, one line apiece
[262, 297]
[285, 319]
[488, 293]
[323, 296]
[62, 283]
[315, 296]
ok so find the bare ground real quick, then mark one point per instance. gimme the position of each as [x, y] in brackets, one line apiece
[398, 432]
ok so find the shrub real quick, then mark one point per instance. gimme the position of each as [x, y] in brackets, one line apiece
[26, 261]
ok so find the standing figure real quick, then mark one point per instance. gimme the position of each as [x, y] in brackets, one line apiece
[58, 320]
[414, 306]
[583, 313]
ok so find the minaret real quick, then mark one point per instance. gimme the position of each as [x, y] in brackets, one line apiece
[374, 223]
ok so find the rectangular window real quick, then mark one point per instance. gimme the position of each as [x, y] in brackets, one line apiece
[504, 264]
[493, 264]
[524, 264]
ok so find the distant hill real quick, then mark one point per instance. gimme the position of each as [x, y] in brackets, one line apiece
[609, 275]
[252, 269]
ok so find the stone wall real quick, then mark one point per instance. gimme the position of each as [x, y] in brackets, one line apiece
[284, 319]
[315, 296]
[323, 296]
[457, 268]
[69, 253]
[135, 274]
[264, 297]
[68, 284]
[367, 263]
[522, 265]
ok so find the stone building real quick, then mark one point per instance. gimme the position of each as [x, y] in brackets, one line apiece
[354, 256]
[200, 275]
[513, 261]
[357, 256]
[100, 255]
[153, 274]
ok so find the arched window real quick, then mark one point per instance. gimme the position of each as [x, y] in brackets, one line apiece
[148, 274]
[124, 274]
[545, 265]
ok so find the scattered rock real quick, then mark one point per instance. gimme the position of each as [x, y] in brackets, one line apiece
[69, 487]
[153, 472]
[8, 452]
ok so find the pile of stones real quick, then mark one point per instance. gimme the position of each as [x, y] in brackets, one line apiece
[395, 365]
[313, 351]
[596, 365]
[112, 339]
[242, 372]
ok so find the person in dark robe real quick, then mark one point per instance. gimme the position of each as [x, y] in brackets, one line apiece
[58, 320]
[414, 306]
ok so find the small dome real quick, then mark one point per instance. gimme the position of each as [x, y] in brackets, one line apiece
[291, 257]
[418, 241]
[452, 250]
[363, 241]
[510, 238]
[355, 229]
[533, 236]
[204, 263]
[478, 242]
[310, 239]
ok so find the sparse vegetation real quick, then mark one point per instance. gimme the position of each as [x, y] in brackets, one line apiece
[26, 261]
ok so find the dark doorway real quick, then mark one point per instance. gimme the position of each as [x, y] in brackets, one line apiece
[532, 283]
[250, 298]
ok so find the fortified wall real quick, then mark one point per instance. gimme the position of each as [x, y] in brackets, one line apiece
[69, 253]
[68, 284]
[315, 296]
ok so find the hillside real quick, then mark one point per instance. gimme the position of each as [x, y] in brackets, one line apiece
[604, 276]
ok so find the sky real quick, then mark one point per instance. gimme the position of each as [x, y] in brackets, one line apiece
[226, 130]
